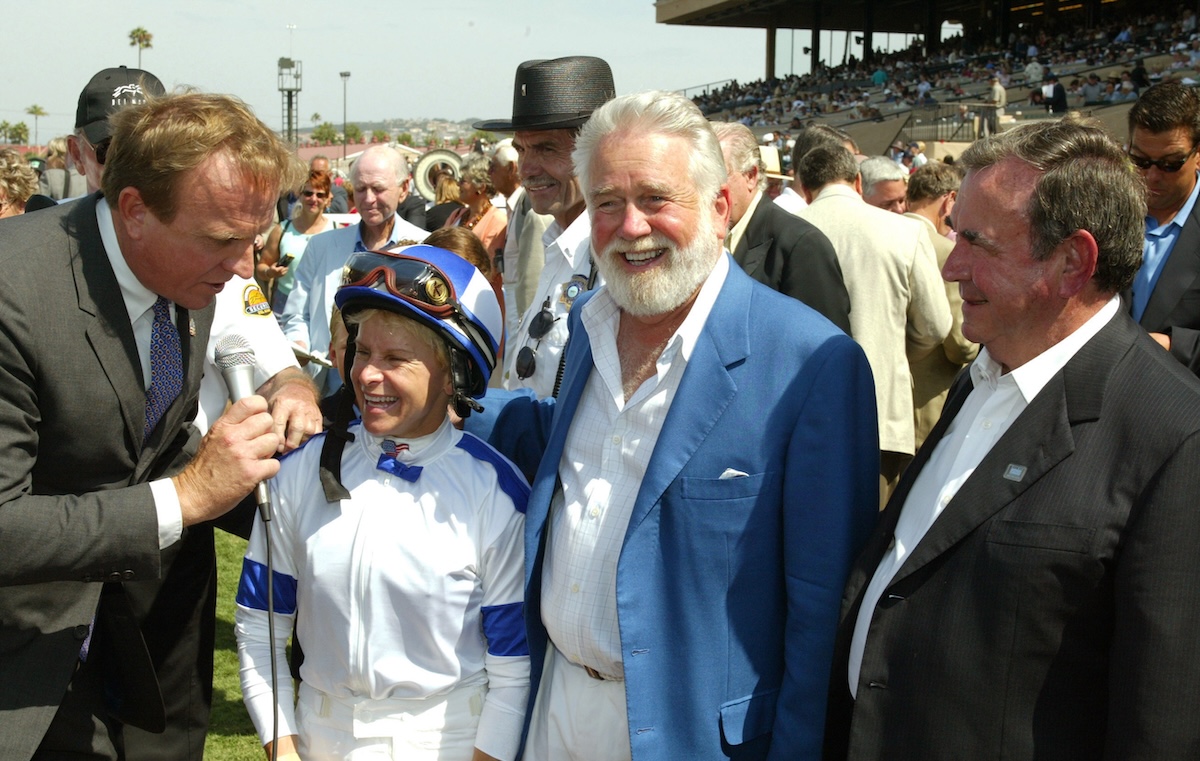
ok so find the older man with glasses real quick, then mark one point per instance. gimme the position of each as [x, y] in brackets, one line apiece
[1164, 134]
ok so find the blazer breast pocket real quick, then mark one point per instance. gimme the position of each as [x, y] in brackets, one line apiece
[722, 489]
[1045, 536]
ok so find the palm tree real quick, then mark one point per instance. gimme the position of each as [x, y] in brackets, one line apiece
[5, 128]
[140, 39]
[35, 111]
[316, 118]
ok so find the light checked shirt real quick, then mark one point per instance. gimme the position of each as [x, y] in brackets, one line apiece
[608, 446]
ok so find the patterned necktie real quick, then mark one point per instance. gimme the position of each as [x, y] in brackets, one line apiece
[389, 463]
[166, 366]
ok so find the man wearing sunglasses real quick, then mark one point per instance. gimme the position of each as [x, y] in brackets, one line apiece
[1164, 134]
[551, 101]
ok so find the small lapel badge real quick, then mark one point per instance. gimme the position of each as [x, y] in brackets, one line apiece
[1015, 472]
[191, 326]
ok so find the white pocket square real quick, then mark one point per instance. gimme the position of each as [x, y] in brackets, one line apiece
[731, 473]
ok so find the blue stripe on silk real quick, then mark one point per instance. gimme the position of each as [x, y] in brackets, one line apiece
[504, 627]
[512, 482]
[252, 588]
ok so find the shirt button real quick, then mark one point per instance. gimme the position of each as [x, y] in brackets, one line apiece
[616, 439]
[986, 424]
[594, 512]
[575, 588]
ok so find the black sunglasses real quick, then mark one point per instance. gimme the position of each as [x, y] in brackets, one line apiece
[101, 150]
[538, 328]
[1170, 167]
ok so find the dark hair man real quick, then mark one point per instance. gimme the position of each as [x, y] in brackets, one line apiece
[1029, 593]
[1164, 138]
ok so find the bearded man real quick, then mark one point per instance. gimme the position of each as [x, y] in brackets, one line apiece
[702, 482]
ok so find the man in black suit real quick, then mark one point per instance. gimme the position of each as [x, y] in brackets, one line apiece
[1164, 138]
[1029, 590]
[106, 490]
[774, 247]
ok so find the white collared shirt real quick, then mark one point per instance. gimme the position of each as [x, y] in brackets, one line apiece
[563, 279]
[139, 304]
[994, 404]
[735, 235]
[608, 447]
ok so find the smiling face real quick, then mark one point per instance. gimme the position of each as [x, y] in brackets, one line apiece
[211, 238]
[1166, 192]
[544, 163]
[400, 383]
[1010, 300]
[655, 239]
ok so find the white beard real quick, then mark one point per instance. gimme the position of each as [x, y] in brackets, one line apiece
[665, 286]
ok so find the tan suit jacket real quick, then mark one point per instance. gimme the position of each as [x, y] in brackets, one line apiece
[898, 308]
[933, 374]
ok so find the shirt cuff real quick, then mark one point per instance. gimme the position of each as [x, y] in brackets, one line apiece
[170, 513]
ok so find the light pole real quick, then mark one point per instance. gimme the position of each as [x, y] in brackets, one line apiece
[345, 78]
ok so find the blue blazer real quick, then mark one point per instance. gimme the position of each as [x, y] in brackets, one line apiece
[727, 589]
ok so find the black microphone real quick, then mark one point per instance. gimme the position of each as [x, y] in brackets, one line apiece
[235, 357]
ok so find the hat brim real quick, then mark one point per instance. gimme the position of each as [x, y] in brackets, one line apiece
[97, 131]
[532, 125]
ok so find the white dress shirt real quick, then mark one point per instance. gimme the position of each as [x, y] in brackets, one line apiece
[563, 279]
[994, 403]
[139, 304]
[608, 446]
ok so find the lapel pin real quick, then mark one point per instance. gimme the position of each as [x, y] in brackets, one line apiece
[1015, 472]
[191, 327]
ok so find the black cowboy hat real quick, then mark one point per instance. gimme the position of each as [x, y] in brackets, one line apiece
[556, 94]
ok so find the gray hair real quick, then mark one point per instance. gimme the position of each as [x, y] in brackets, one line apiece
[399, 163]
[1086, 183]
[879, 169]
[743, 149]
[826, 164]
[504, 153]
[655, 112]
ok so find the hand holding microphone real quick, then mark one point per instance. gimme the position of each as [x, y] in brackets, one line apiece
[237, 454]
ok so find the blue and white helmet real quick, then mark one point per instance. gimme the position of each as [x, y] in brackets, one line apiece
[439, 289]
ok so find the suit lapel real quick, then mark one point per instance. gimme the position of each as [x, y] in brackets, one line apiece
[1178, 274]
[705, 390]
[880, 540]
[1040, 438]
[109, 334]
[750, 257]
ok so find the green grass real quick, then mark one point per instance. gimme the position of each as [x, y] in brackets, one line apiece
[231, 735]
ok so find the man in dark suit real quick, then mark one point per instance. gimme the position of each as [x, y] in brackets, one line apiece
[706, 474]
[772, 246]
[1029, 592]
[105, 308]
[1164, 138]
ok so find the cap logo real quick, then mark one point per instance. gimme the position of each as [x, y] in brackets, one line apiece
[437, 291]
[127, 95]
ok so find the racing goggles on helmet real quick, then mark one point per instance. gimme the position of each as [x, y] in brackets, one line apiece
[413, 280]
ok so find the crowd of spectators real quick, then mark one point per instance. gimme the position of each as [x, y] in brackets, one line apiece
[963, 66]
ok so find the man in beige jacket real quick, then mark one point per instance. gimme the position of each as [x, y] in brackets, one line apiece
[932, 190]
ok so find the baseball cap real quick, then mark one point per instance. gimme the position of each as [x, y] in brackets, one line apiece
[110, 91]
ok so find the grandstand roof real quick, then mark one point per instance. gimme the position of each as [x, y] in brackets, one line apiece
[902, 16]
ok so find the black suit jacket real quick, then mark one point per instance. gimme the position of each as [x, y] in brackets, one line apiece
[795, 258]
[1174, 305]
[412, 209]
[75, 505]
[1050, 612]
